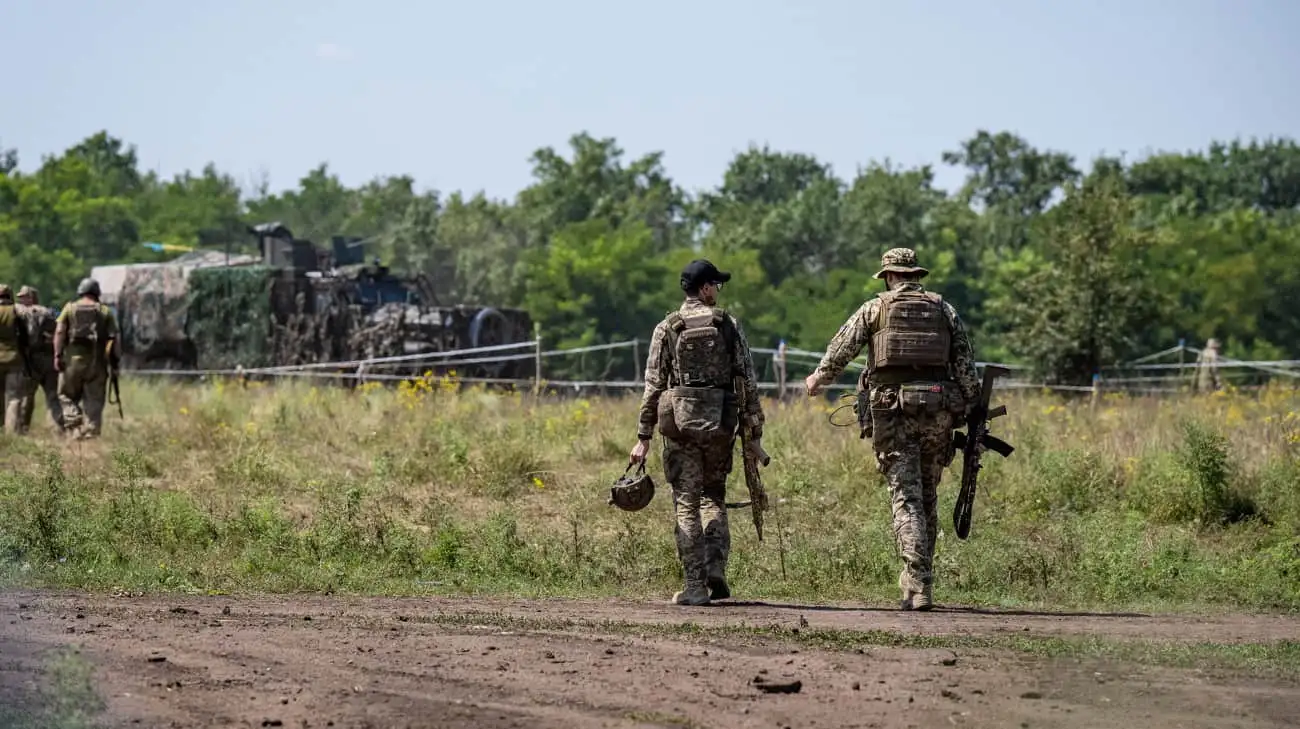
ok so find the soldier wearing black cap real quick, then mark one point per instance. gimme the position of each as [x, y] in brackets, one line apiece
[694, 354]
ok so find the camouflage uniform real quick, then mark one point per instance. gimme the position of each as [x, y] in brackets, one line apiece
[13, 360]
[40, 322]
[83, 333]
[694, 405]
[921, 376]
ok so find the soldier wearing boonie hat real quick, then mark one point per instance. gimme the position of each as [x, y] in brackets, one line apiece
[919, 379]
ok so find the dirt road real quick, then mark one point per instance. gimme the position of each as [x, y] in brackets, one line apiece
[341, 662]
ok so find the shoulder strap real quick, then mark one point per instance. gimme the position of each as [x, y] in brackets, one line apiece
[885, 297]
[724, 323]
[675, 325]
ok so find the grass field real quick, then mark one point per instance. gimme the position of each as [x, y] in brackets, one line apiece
[1174, 504]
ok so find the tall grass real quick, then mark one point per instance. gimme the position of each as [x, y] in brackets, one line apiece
[1134, 503]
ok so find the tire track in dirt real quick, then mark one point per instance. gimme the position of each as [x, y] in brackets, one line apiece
[319, 661]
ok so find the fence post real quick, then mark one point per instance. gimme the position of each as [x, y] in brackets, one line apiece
[637, 372]
[1096, 388]
[1182, 374]
[778, 363]
[537, 359]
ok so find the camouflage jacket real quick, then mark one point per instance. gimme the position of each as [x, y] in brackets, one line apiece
[659, 367]
[855, 335]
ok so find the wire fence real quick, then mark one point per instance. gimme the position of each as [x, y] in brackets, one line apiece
[618, 366]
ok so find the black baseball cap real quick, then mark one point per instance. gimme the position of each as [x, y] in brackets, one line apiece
[700, 272]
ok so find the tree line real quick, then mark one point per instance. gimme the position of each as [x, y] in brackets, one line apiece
[1052, 265]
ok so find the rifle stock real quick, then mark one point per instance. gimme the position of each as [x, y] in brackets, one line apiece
[972, 443]
[753, 481]
[114, 392]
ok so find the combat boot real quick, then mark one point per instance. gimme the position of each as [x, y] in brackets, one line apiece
[692, 595]
[923, 600]
[913, 599]
[718, 588]
[717, 583]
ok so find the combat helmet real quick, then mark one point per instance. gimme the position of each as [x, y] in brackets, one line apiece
[6, 293]
[88, 286]
[632, 493]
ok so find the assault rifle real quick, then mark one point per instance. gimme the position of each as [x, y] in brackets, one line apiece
[972, 443]
[757, 494]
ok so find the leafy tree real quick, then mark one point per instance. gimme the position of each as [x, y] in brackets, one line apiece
[1085, 303]
[1065, 268]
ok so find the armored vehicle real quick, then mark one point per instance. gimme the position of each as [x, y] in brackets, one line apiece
[297, 304]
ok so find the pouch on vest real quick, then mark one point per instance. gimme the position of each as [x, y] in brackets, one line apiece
[883, 400]
[84, 325]
[701, 354]
[697, 414]
[862, 406]
[922, 399]
[955, 401]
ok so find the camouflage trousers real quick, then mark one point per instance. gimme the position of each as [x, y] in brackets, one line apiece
[12, 384]
[698, 477]
[912, 449]
[83, 387]
[45, 379]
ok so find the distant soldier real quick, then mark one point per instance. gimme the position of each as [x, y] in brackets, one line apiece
[14, 365]
[920, 377]
[1207, 370]
[83, 335]
[40, 336]
[689, 393]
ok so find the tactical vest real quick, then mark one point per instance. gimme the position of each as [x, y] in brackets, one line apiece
[701, 348]
[700, 405]
[911, 340]
[84, 324]
[8, 334]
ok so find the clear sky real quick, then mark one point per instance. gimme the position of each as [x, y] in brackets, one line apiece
[459, 96]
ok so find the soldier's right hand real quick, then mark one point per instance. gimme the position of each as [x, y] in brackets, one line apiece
[639, 451]
[811, 384]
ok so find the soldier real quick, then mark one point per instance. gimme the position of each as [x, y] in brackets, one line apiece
[920, 377]
[40, 336]
[14, 363]
[694, 354]
[84, 336]
[1207, 368]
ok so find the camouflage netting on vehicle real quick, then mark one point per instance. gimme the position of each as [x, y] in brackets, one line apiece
[152, 311]
[230, 316]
